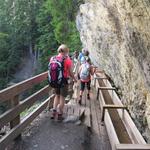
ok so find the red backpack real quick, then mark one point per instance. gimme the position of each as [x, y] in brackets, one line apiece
[56, 72]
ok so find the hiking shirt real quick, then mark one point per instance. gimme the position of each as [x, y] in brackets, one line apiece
[80, 56]
[67, 65]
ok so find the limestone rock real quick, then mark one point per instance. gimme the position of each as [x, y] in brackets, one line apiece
[117, 35]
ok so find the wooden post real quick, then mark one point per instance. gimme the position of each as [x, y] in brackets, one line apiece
[97, 94]
[111, 107]
[16, 120]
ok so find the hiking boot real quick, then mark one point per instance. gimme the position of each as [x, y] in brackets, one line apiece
[60, 117]
[53, 114]
[80, 100]
[88, 96]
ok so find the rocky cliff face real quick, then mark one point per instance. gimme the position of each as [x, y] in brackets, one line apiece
[117, 34]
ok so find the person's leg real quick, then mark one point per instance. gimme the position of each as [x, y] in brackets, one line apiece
[55, 103]
[82, 86]
[63, 94]
[61, 104]
[88, 88]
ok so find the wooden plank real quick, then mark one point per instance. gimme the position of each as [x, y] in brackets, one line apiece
[14, 90]
[111, 107]
[76, 110]
[83, 103]
[81, 112]
[15, 121]
[12, 113]
[106, 88]
[103, 143]
[24, 123]
[70, 109]
[134, 133]
[116, 122]
[95, 126]
[87, 120]
[132, 129]
[107, 106]
[65, 110]
[111, 131]
[133, 147]
[100, 78]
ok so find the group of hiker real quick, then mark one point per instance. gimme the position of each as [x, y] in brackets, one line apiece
[60, 69]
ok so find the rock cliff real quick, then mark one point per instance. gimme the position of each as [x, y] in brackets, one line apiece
[117, 34]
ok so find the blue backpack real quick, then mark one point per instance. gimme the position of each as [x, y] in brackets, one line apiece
[85, 71]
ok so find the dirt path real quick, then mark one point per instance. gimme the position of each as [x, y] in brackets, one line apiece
[45, 134]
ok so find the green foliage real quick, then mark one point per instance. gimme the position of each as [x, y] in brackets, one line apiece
[56, 22]
[40, 24]
[18, 30]
[63, 20]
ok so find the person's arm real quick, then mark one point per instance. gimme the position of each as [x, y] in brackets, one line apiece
[92, 70]
[72, 74]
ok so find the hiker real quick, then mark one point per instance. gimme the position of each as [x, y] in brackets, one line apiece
[60, 68]
[84, 56]
[75, 56]
[81, 54]
[85, 72]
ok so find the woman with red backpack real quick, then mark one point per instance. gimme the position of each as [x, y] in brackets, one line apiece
[60, 69]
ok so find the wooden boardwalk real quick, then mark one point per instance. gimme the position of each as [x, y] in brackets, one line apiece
[99, 140]
[98, 136]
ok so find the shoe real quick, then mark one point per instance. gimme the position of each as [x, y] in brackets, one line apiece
[60, 117]
[88, 96]
[80, 100]
[53, 114]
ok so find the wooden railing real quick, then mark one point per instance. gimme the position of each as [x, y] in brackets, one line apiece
[12, 116]
[104, 92]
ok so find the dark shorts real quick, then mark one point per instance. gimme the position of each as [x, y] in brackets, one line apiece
[63, 91]
[82, 86]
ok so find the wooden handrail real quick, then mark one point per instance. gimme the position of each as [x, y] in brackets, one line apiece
[24, 123]
[106, 88]
[10, 92]
[133, 147]
[116, 103]
[28, 102]
[13, 114]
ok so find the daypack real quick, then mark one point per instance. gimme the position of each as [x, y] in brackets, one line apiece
[55, 72]
[85, 71]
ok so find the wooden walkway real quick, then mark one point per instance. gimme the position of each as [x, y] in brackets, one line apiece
[92, 112]
[99, 140]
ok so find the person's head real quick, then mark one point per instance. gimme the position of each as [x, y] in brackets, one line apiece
[83, 50]
[88, 60]
[86, 53]
[76, 53]
[63, 49]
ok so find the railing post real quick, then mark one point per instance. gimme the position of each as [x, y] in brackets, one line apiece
[16, 120]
